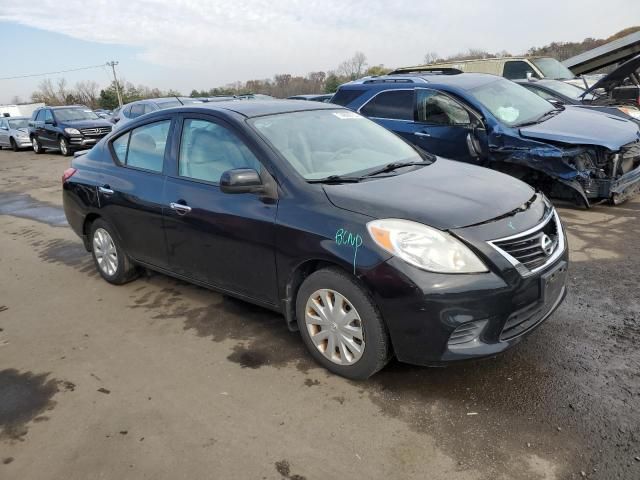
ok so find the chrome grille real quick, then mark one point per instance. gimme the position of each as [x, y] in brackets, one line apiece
[532, 250]
[95, 132]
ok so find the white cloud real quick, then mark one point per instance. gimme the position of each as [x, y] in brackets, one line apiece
[215, 42]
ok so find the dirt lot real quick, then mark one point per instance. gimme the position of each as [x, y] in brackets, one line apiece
[162, 380]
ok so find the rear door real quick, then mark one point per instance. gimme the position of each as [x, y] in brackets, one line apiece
[49, 135]
[131, 194]
[393, 109]
[220, 239]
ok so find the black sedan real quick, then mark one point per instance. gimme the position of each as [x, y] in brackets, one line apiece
[366, 245]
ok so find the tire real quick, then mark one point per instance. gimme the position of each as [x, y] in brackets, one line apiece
[36, 145]
[111, 261]
[14, 145]
[334, 285]
[65, 149]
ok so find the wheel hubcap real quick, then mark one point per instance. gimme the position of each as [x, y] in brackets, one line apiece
[63, 146]
[105, 251]
[335, 327]
[35, 145]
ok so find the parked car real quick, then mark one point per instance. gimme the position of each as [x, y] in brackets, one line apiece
[310, 210]
[507, 67]
[561, 93]
[66, 129]
[14, 133]
[621, 86]
[569, 153]
[315, 97]
[103, 113]
[136, 109]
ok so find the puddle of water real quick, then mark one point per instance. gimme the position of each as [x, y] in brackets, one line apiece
[23, 397]
[25, 206]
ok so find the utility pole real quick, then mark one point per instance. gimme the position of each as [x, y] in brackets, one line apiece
[113, 64]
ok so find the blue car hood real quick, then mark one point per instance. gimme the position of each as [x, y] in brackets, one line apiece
[579, 126]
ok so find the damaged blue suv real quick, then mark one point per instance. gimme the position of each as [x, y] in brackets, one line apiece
[569, 153]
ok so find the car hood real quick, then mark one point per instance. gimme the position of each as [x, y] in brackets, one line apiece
[617, 76]
[87, 123]
[580, 126]
[444, 195]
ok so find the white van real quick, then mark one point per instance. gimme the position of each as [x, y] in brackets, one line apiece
[508, 67]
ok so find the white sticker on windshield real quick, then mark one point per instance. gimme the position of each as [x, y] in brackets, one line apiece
[347, 115]
[508, 114]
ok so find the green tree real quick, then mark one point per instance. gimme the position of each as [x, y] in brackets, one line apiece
[332, 83]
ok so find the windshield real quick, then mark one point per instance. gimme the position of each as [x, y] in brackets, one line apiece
[566, 89]
[552, 68]
[322, 143]
[511, 103]
[71, 114]
[16, 124]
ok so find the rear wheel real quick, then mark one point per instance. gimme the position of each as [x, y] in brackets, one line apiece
[14, 145]
[340, 325]
[37, 147]
[64, 146]
[110, 259]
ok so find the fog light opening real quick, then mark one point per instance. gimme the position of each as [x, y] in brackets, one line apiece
[467, 335]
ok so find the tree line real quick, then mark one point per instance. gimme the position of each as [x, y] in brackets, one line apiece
[285, 84]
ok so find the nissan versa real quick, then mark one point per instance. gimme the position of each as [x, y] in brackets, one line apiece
[569, 153]
[367, 245]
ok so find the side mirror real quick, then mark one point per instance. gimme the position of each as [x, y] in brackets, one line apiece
[241, 180]
[49, 122]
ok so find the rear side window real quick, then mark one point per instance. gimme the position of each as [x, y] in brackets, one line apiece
[436, 108]
[344, 97]
[144, 146]
[137, 110]
[516, 69]
[394, 104]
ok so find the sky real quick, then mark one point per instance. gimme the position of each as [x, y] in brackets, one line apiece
[187, 44]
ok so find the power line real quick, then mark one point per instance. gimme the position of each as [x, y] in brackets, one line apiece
[52, 73]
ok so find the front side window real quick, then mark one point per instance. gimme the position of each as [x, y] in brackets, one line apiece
[516, 69]
[48, 116]
[510, 103]
[143, 147]
[394, 104]
[321, 143]
[436, 108]
[208, 149]
[71, 114]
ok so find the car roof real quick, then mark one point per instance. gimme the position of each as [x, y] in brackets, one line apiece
[15, 118]
[464, 81]
[62, 107]
[258, 108]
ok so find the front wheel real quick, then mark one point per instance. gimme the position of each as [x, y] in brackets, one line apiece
[64, 147]
[110, 259]
[14, 145]
[37, 147]
[341, 326]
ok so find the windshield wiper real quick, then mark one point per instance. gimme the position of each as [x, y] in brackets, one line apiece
[335, 179]
[541, 118]
[390, 167]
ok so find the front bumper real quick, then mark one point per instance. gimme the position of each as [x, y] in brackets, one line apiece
[77, 141]
[626, 186]
[428, 314]
[23, 142]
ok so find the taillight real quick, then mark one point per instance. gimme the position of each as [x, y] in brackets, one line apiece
[68, 173]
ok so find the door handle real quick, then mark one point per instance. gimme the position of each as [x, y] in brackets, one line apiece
[106, 190]
[180, 208]
[422, 134]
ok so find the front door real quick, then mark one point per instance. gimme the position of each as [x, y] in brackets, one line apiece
[225, 240]
[443, 126]
[49, 136]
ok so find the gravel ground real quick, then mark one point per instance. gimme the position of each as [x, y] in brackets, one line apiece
[160, 379]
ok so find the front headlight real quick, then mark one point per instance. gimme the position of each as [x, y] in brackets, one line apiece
[72, 131]
[424, 247]
[631, 111]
